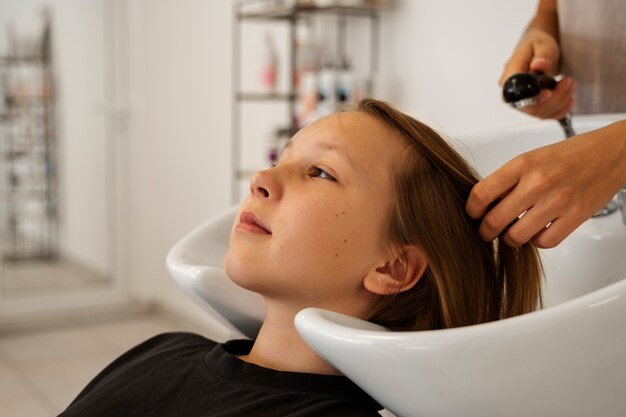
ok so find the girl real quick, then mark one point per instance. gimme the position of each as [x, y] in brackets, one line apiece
[364, 214]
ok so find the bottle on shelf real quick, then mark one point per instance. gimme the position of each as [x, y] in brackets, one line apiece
[307, 98]
[305, 76]
[336, 85]
[346, 83]
[269, 69]
[306, 52]
[277, 143]
[326, 88]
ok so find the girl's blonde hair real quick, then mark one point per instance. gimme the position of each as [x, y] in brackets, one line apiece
[467, 281]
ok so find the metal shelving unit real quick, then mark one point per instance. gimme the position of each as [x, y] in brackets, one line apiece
[291, 16]
[28, 179]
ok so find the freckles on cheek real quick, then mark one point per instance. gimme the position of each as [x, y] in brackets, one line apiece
[322, 230]
[337, 213]
[344, 246]
[341, 230]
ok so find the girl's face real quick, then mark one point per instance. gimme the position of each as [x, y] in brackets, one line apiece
[316, 224]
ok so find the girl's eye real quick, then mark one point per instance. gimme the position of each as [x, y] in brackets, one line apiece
[320, 173]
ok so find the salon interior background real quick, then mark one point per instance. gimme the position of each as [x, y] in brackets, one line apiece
[165, 103]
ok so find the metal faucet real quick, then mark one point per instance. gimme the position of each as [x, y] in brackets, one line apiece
[621, 199]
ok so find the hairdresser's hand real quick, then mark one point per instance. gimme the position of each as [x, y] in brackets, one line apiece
[560, 185]
[538, 51]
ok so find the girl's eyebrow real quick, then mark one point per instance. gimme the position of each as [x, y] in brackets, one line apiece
[343, 153]
[326, 145]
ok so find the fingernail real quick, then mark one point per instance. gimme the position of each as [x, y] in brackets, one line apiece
[569, 83]
[544, 96]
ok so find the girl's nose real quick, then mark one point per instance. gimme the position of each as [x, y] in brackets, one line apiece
[265, 185]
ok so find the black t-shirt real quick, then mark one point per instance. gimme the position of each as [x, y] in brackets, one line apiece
[187, 375]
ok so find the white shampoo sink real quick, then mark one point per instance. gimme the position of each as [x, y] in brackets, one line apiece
[568, 359]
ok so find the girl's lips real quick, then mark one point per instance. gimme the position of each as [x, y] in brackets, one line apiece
[248, 221]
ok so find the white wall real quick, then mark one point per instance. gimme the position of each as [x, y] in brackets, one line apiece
[180, 129]
[80, 64]
[440, 62]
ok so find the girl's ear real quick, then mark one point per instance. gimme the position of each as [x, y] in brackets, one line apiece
[400, 273]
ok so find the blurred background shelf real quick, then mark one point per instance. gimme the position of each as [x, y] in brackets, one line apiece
[28, 180]
[301, 66]
[265, 96]
[286, 12]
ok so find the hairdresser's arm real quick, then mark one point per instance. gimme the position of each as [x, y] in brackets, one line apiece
[563, 184]
[538, 50]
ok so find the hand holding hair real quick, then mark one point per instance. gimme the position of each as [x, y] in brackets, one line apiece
[553, 189]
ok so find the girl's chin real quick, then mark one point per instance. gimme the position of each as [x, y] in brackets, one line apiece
[240, 274]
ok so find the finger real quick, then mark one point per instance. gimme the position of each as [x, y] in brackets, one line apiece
[545, 55]
[556, 232]
[538, 110]
[504, 214]
[553, 104]
[490, 189]
[519, 62]
[567, 104]
[556, 108]
[529, 225]
[562, 112]
[542, 63]
[557, 104]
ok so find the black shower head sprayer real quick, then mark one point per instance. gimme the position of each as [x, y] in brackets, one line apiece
[521, 90]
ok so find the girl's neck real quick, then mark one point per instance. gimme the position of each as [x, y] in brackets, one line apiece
[279, 346]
